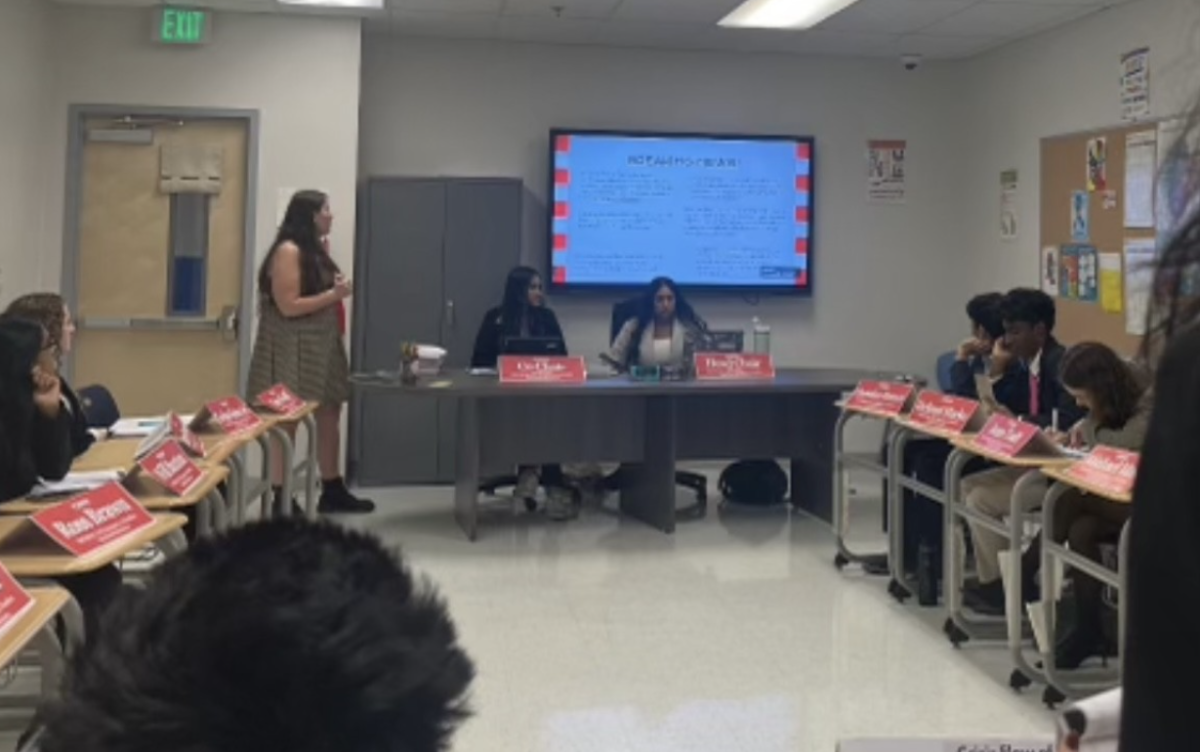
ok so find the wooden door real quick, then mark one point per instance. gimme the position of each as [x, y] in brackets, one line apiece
[157, 321]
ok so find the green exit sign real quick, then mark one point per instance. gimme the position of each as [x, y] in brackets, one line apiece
[182, 25]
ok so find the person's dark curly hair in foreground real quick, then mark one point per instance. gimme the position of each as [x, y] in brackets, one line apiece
[282, 636]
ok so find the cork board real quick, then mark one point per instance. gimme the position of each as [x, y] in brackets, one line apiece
[1064, 171]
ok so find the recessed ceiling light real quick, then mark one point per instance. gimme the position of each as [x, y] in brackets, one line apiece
[347, 4]
[783, 14]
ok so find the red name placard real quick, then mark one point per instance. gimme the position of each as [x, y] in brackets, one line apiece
[1107, 469]
[89, 522]
[14, 601]
[519, 369]
[170, 466]
[881, 397]
[734, 367]
[1005, 436]
[186, 437]
[232, 414]
[943, 412]
[279, 399]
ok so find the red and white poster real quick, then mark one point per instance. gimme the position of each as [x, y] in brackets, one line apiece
[171, 468]
[1108, 470]
[889, 398]
[734, 367]
[231, 414]
[521, 369]
[89, 522]
[943, 412]
[15, 601]
[281, 400]
[1005, 436]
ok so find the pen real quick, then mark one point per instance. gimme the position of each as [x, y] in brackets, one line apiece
[1054, 420]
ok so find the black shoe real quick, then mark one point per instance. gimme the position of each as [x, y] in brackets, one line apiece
[986, 598]
[278, 508]
[1077, 647]
[337, 499]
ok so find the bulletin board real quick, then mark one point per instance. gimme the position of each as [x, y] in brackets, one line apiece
[1065, 170]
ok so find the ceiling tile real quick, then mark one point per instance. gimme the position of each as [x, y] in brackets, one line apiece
[893, 16]
[569, 8]
[1004, 19]
[944, 48]
[814, 42]
[448, 6]
[670, 36]
[552, 30]
[452, 25]
[675, 11]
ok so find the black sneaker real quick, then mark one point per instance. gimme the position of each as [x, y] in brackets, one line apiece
[337, 499]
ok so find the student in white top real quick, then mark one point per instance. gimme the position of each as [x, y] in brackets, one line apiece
[665, 332]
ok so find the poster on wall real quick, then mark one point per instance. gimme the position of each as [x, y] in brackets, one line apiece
[1068, 272]
[1135, 85]
[886, 183]
[1111, 297]
[1008, 205]
[1078, 273]
[1081, 231]
[1141, 161]
[1139, 281]
[1050, 270]
[1097, 164]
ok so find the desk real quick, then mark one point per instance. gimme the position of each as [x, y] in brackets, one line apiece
[649, 425]
[281, 428]
[38, 621]
[40, 564]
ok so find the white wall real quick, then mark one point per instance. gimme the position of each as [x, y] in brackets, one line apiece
[1061, 82]
[300, 73]
[23, 50]
[888, 279]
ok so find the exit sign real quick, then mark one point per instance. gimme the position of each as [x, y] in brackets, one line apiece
[182, 25]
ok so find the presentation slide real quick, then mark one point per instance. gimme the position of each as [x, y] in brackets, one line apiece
[707, 212]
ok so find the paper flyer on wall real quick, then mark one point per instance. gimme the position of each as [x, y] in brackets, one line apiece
[1078, 273]
[1111, 296]
[1141, 161]
[1139, 282]
[1080, 217]
[1008, 205]
[1135, 84]
[1097, 164]
[1050, 270]
[886, 182]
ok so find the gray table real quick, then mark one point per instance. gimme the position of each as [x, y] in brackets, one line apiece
[648, 426]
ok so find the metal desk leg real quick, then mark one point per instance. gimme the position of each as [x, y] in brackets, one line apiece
[51, 656]
[897, 442]
[287, 453]
[1014, 601]
[217, 513]
[466, 471]
[1122, 595]
[649, 491]
[310, 467]
[237, 489]
[172, 544]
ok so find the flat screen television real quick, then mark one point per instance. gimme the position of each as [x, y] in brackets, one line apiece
[713, 212]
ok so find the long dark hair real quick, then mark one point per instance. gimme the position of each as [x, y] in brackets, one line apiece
[683, 309]
[300, 227]
[516, 299]
[21, 344]
[1110, 381]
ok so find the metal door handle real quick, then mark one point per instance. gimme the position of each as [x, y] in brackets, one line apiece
[226, 323]
[450, 313]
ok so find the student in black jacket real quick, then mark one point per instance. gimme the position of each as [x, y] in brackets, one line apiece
[51, 311]
[1025, 369]
[523, 313]
[35, 440]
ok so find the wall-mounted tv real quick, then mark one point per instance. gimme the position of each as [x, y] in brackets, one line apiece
[715, 212]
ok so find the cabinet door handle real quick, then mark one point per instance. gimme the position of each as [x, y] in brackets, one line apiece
[450, 313]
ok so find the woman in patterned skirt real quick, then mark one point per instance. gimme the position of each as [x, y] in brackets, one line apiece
[301, 292]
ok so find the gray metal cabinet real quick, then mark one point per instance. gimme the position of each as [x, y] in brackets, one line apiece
[432, 257]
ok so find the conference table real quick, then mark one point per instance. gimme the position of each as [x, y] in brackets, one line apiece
[647, 425]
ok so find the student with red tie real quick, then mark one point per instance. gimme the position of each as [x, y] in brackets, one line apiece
[1025, 371]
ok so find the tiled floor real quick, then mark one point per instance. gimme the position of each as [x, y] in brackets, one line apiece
[736, 633]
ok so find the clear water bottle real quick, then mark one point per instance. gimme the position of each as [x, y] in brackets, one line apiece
[760, 342]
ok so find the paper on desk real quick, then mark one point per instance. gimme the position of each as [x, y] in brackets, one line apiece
[132, 428]
[75, 483]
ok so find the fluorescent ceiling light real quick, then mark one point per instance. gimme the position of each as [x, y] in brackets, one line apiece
[350, 4]
[783, 14]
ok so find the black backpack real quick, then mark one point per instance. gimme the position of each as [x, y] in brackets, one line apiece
[759, 483]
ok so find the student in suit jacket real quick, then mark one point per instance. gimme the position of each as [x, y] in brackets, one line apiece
[523, 313]
[1025, 369]
[50, 311]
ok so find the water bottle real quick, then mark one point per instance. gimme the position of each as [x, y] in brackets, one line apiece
[761, 340]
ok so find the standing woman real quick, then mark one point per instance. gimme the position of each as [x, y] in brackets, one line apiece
[665, 332]
[299, 341]
[50, 311]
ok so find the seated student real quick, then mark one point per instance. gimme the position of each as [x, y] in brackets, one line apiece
[1118, 406]
[36, 441]
[925, 460]
[1025, 369]
[665, 332]
[51, 311]
[523, 313]
[282, 635]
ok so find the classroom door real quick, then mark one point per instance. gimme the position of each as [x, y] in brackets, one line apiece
[161, 255]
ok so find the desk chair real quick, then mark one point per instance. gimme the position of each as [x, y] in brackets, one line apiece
[99, 406]
[945, 362]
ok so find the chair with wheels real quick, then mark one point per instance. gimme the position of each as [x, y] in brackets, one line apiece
[99, 406]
